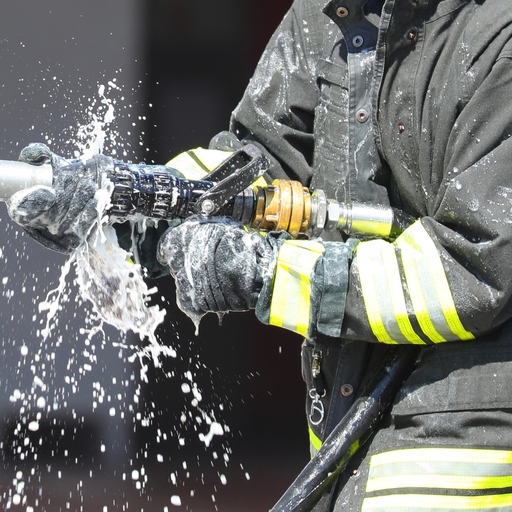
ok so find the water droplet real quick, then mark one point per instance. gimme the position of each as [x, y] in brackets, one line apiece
[176, 500]
[33, 426]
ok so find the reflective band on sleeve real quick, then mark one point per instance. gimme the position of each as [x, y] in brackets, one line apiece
[382, 293]
[385, 293]
[197, 163]
[428, 286]
[429, 503]
[439, 479]
[291, 298]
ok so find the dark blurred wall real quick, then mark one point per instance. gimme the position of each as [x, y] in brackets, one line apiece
[201, 56]
[54, 56]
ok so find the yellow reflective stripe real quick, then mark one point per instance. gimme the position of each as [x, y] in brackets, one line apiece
[444, 468]
[315, 441]
[432, 469]
[196, 163]
[405, 502]
[290, 305]
[366, 260]
[466, 455]
[260, 182]
[383, 294]
[428, 286]
[439, 481]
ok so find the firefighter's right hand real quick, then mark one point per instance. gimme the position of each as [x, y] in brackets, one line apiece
[217, 265]
[59, 217]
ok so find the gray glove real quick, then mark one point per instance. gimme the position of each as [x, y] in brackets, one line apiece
[58, 217]
[218, 267]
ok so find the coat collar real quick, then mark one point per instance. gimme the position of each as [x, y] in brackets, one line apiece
[332, 6]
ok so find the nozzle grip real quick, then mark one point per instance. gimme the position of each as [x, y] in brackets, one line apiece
[152, 191]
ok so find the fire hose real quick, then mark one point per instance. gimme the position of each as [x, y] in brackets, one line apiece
[351, 433]
[154, 191]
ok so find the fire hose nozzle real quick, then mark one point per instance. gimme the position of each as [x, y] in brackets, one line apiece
[158, 192]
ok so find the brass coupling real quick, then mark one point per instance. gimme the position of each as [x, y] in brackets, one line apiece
[283, 206]
[288, 206]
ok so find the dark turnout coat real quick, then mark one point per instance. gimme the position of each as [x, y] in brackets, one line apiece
[406, 103]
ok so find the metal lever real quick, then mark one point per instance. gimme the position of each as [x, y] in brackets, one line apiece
[233, 176]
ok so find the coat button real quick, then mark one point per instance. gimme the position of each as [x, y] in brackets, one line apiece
[358, 41]
[342, 12]
[401, 128]
[362, 115]
[412, 34]
[347, 389]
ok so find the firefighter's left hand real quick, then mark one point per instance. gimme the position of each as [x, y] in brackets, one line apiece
[59, 217]
[217, 265]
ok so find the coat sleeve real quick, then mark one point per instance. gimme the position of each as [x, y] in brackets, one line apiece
[277, 109]
[448, 277]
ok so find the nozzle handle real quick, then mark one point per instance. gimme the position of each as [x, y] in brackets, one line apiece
[16, 176]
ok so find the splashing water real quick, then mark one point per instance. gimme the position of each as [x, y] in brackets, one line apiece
[93, 134]
[107, 277]
[112, 292]
[114, 285]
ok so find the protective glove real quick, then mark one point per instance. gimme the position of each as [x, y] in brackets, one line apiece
[225, 141]
[59, 217]
[300, 285]
[217, 265]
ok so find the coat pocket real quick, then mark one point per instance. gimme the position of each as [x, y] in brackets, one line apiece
[331, 128]
[470, 375]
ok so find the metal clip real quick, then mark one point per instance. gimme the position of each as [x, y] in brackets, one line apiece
[317, 411]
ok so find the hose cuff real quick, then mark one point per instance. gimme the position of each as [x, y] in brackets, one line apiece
[307, 292]
[329, 287]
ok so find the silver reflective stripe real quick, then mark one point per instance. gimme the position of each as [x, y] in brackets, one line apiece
[428, 286]
[433, 503]
[386, 293]
[383, 294]
[439, 479]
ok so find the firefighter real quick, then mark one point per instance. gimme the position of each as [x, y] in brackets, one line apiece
[391, 102]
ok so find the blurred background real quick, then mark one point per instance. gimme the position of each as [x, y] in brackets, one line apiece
[83, 425]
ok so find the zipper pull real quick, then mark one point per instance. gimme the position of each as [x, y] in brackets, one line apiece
[317, 411]
[316, 364]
